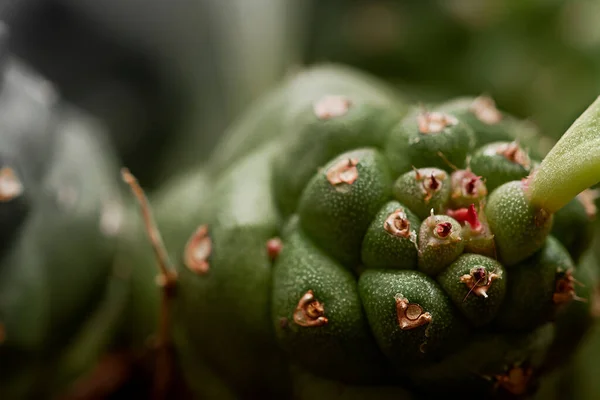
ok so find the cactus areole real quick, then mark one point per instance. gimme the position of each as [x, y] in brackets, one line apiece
[372, 244]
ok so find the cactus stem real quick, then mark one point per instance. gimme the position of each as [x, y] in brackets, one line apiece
[572, 165]
[310, 312]
[10, 185]
[484, 108]
[331, 107]
[410, 315]
[479, 281]
[343, 172]
[197, 250]
[167, 280]
[274, 247]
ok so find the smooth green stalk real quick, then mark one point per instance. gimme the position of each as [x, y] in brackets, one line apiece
[572, 165]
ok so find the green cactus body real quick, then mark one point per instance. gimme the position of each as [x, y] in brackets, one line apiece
[573, 225]
[429, 139]
[327, 128]
[391, 241]
[538, 286]
[467, 189]
[321, 248]
[339, 203]
[318, 316]
[423, 190]
[477, 286]
[500, 162]
[440, 243]
[493, 125]
[519, 228]
[61, 302]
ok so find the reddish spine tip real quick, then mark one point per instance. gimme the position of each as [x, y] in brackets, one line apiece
[470, 186]
[274, 247]
[434, 184]
[466, 215]
[443, 229]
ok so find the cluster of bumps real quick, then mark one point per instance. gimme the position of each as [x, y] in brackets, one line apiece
[340, 243]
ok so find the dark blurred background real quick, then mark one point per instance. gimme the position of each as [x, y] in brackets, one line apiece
[168, 76]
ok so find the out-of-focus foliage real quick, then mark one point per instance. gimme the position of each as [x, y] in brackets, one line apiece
[538, 59]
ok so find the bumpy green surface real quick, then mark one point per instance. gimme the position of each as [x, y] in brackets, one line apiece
[342, 298]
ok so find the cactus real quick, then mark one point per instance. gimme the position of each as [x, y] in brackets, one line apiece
[61, 300]
[350, 242]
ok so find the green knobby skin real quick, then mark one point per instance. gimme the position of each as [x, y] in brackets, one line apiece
[224, 281]
[391, 240]
[476, 285]
[532, 296]
[413, 320]
[429, 139]
[479, 242]
[500, 162]
[466, 188]
[574, 320]
[573, 225]
[317, 315]
[327, 128]
[422, 190]
[274, 116]
[340, 202]
[477, 370]
[519, 227]
[440, 243]
[493, 125]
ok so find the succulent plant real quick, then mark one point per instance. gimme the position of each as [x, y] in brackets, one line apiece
[61, 302]
[343, 239]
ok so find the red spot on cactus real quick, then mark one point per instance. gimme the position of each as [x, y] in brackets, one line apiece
[274, 247]
[443, 229]
[466, 215]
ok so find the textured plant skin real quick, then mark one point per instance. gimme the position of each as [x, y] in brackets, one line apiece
[571, 166]
[294, 259]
